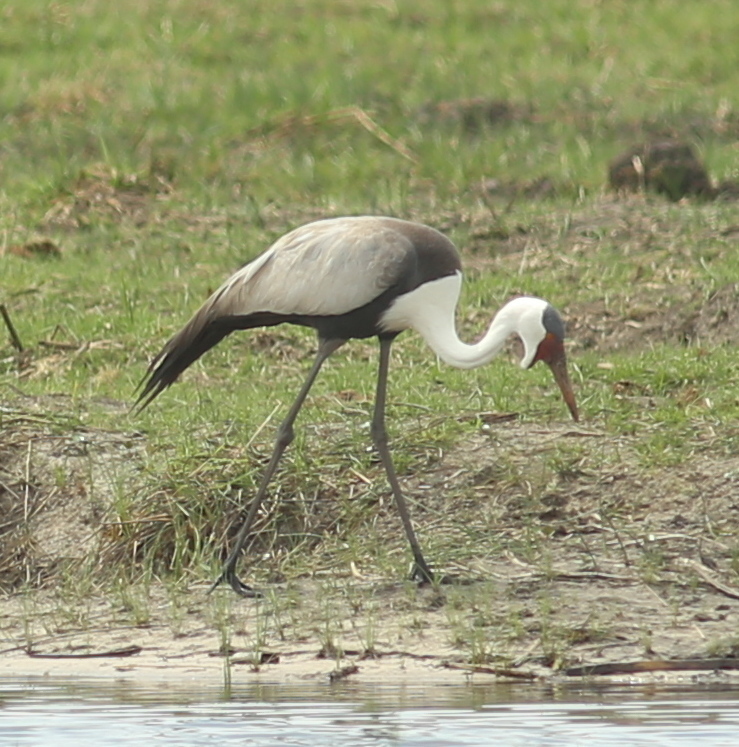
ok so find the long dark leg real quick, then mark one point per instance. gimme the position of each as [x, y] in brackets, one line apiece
[285, 435]
[421, 569]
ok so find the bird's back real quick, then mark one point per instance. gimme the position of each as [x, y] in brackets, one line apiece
[333, 266]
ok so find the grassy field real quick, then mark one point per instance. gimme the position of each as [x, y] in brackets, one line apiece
[151, 148]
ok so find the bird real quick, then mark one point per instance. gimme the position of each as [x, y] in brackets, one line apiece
[356, 277]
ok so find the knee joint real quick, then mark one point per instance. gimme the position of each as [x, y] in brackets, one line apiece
[285, 437]
[379, 434]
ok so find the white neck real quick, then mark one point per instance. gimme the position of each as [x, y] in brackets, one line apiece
[430, 309]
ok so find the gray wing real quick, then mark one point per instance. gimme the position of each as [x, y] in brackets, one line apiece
[323, 268]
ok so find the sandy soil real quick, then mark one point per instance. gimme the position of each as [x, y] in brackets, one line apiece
[106, 646]
[641, 623]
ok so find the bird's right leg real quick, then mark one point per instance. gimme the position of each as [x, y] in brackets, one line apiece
[285, 435]
[421, 570]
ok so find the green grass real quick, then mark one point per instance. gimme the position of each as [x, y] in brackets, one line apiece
[162, 144]
[176, 88]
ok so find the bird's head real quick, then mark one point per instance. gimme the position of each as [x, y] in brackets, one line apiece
[542, 332]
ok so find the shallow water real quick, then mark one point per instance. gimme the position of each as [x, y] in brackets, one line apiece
[72, 712]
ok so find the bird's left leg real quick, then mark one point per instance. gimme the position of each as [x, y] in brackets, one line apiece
[284, 438]
[421, 570]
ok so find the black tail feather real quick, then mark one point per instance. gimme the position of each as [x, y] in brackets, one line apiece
[189, 344]
[177, 355]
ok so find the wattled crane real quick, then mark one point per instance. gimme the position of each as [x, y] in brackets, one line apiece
[357, 277]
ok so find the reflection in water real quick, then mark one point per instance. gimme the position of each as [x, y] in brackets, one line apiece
[42, 712]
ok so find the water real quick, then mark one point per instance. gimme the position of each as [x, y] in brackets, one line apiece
[59, 713]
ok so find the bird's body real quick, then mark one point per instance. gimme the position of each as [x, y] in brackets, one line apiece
[357, 277]
[340, 276]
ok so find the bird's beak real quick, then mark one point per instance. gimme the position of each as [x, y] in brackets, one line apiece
[558, 364]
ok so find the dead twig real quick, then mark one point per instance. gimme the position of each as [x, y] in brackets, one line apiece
[710, 579]
[343, 673]
[119, 652]
[14, 339]
[497, 671]
[54, 345]
[258, 659]
[557, 574]
[287, 125]
[634, 667]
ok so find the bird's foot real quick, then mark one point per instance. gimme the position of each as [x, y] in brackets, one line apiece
[424, 575]
[242, 589]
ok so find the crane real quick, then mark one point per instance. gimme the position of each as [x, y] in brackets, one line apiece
[356, 277]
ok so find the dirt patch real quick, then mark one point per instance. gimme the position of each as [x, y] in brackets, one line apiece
[100, 194]
[667, 167]
[58, 480]
[39, 249]
[473, 114]
[717, 320]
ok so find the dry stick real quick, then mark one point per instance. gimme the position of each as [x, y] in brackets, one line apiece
[57, 637]
[372, 127]
[119, 652]
[343, 673]
[669, 665]
[523, 657]
[14, 339]
[498, 671]
[285, 126]
[710, 579]
[498, 215]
